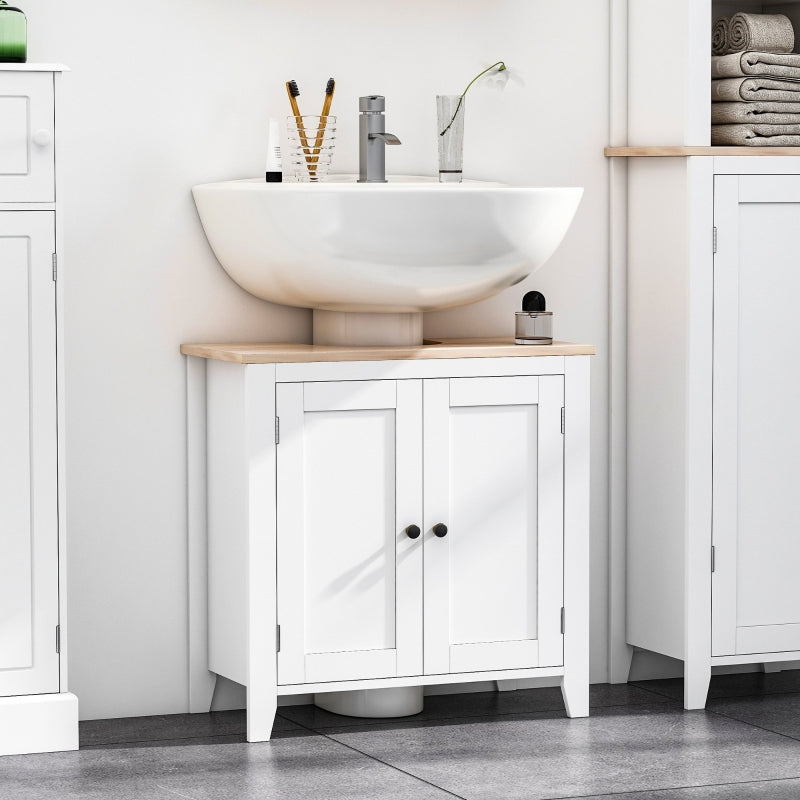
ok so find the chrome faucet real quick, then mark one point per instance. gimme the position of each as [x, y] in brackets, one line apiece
[372, 139]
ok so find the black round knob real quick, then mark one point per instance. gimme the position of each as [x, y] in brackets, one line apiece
[440, 529]
[413, 531]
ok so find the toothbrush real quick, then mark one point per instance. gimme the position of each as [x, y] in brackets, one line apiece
[294, 92]
[326, 108]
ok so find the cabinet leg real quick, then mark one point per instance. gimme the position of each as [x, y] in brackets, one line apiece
[261, 707]
[696, 678]
[575, 692]
[508, 685]
[620, 660]
[772, 666]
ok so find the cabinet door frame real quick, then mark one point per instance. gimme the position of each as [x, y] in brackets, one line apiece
[293, 400]
[547, 649]
[41, 675]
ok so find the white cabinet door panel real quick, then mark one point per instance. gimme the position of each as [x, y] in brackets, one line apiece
[26, 138]
[494, 476]
[28, 470]
[349, 483]
[756, 602]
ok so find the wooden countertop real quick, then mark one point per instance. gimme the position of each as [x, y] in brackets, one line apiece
[680, 151]
[290, 353]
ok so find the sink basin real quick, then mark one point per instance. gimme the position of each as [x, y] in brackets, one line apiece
[409, 245]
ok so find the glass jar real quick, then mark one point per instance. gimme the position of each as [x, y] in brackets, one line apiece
[13, 34]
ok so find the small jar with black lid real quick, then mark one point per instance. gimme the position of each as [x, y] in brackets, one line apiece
[13, 34]
[534, 325]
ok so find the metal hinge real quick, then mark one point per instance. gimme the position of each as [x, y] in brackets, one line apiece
[563, 417]
[277, 430]
[278, 637]
[55, 267]
[713, 559]
[715, 240]
[58, 639]
[563, 620]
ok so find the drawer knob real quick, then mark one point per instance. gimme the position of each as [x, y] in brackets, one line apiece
[440, 529]
[413, 531]
[42, 137]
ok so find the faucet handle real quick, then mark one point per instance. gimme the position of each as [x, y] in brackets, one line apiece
[372, 104]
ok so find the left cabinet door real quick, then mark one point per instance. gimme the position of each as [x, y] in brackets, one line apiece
[28, 456]
[349, 467]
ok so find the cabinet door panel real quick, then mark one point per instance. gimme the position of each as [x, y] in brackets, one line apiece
[26, 168]
[349, 591]
[28, 471]
[756, 605]
[494, 476]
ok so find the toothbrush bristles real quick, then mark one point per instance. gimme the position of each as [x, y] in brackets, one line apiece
[294, 89]
[330, 85]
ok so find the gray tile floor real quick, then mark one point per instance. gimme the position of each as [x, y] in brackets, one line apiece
[638, 744]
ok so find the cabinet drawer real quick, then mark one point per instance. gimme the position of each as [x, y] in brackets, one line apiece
[27, 118]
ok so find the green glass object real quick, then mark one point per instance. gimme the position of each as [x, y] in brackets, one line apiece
[13, 34]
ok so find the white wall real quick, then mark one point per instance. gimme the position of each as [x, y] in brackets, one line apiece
[166, 94]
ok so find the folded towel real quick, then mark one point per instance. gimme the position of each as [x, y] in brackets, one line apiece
[755, 113]
[765, 90]
[719, 36]
[772, 33]
[774, 65]
[756, 135]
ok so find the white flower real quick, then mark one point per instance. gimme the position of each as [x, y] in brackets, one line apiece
[491, 72]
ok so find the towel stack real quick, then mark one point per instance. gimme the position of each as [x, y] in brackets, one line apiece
[755, 86]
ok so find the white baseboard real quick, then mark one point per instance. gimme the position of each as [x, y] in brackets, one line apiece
[42, 723]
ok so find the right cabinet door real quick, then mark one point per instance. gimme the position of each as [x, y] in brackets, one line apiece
[756, 415]
[493, 467]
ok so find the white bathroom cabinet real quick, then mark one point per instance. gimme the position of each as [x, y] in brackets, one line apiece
[713, 431]
[704, 262]
[415, 519]
[37, 713]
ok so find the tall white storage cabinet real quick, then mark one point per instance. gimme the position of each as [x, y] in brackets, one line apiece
[713, 390]
[391, 517]
[37, 714]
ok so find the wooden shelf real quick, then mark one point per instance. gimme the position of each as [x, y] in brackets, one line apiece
[682, 151]
[291, 353]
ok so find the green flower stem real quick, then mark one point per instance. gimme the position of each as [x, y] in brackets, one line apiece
[500, 67]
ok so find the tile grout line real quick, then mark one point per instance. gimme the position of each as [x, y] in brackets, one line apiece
[484, 717]
[655, 692]
[721, 697]
[157, 741]
[649, 792]
[379, 761]
[752, 725]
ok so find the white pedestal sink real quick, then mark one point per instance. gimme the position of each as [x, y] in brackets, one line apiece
[371, 258]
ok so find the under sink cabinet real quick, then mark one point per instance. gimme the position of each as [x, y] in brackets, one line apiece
[389, 517]
[713, 428]
[37, 713]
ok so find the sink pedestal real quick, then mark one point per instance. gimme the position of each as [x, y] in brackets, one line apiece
[401, 701]
[345, 328]
[354, 329]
